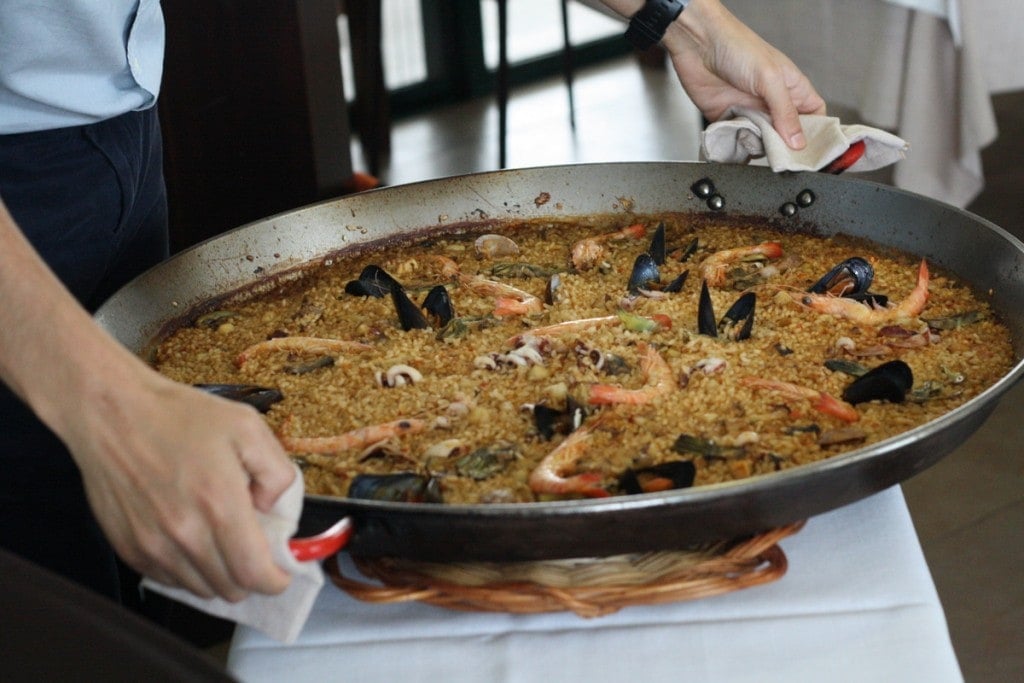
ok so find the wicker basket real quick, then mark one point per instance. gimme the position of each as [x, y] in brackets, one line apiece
[590, 587]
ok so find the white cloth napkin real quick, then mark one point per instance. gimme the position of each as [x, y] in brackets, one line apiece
[279, 616]
[747, 134]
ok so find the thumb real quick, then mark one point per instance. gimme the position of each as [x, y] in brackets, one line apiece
[786, 120]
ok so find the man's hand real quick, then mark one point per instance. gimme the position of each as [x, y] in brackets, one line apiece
[722, 63]
[174, 477]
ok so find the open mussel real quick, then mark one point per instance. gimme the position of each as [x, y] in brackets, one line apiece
[409, 315]
[645, 274]
[550, 421]
[373, 281]
[850, 278]
[888, 382]
[260, 398]
[737, 323]
[677, 283]
[438, 305]
[677, 474]
[405, 487]
[683, 253]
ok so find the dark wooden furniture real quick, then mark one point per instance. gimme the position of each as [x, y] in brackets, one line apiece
[253, 111]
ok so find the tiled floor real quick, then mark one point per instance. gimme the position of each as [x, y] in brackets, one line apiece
[969, 509]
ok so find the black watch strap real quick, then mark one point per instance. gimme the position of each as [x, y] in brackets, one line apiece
[648, 26]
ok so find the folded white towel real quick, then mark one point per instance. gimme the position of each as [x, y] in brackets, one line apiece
[279, 616]
[747, 134]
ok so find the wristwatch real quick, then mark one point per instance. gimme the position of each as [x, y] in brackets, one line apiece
[647, 27]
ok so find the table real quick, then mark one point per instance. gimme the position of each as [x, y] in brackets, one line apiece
[857, 604]
[924, 69]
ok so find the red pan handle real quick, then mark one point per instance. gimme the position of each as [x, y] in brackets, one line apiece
[846, 159]
[324, 544]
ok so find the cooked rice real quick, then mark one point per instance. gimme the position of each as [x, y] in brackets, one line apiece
[467, 408]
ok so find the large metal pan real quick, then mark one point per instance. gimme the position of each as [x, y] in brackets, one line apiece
[983, 254]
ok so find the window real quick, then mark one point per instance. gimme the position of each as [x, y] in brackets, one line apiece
[459, 57]
[535, 28]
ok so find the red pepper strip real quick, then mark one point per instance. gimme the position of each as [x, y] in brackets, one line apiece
[323, 545]
[846, 159]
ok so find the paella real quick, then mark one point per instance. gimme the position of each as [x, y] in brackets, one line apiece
[545, 359]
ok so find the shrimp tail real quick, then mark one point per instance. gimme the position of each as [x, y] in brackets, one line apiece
[830, 405]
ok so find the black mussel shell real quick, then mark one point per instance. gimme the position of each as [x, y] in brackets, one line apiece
[736, 324]
[676, 285]
[738, 321]
[888, 382]
[438, 304]
[683, 253]
[260, 398]
[409, 315]
[550, 421]
[851, 277]
[373, 281]
[405, 487]
[645, 272]
[706, 323]
[657, 248]
[679, 472]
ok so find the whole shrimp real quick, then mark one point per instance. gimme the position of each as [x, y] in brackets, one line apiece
[588, 251]
[658, 376]
[508, 300]
[870, 314]
[550, 475]
[715, 268]
[356, 438]
[300, 345]
[821, 401]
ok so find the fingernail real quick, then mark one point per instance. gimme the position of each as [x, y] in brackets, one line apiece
[797, 141]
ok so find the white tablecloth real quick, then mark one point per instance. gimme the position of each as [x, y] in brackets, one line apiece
[926, 74]
[857, 604]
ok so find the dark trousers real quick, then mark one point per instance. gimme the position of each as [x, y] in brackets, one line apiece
[91, 199]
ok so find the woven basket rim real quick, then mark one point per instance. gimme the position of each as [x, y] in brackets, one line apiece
[610, 583]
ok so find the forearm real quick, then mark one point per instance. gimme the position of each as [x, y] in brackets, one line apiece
[722, 64]
[172, 474]
[52, 355]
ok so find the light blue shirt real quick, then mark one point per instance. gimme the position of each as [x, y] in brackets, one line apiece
[72, 62]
